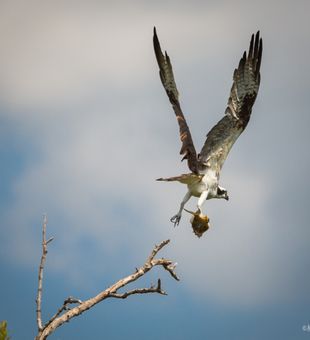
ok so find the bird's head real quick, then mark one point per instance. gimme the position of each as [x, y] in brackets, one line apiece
[200, 222]
[222, 193]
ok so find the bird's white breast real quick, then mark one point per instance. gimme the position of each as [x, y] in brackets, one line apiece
[196, 189]
[208, 182]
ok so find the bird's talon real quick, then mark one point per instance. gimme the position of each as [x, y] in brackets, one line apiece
[175, 220]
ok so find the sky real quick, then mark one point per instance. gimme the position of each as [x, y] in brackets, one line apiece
[86, 128]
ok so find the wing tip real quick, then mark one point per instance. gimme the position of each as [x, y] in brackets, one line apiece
[155, 38]
[157, 48]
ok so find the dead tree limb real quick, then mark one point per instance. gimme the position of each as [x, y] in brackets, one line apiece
[66, 312]
[41, 268]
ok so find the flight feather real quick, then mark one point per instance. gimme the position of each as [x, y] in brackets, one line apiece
[246, 80]
[167, 79]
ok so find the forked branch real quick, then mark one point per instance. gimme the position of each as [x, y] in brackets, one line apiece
[66, 312]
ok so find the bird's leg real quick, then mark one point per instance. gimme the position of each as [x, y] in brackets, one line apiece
[202, 199]
[176, 218]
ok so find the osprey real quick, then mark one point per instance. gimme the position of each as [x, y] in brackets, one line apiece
[203, 181]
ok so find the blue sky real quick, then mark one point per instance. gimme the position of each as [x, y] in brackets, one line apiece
[86, 128]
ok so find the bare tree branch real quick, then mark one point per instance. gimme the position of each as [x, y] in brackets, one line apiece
[70, 300]
[152, 289]
[156, 249]
[40, 278]
[65, 313]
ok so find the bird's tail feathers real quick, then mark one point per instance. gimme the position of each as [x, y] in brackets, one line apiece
[184, 178]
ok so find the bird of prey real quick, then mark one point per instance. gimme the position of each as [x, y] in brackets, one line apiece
[205, 167]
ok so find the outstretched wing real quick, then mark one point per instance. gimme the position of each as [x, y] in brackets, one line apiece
[167, 79]
[222, 136]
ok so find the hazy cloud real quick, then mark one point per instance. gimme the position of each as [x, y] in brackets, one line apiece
[81, 86]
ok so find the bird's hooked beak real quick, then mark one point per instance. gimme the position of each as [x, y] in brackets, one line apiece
[200, 222]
